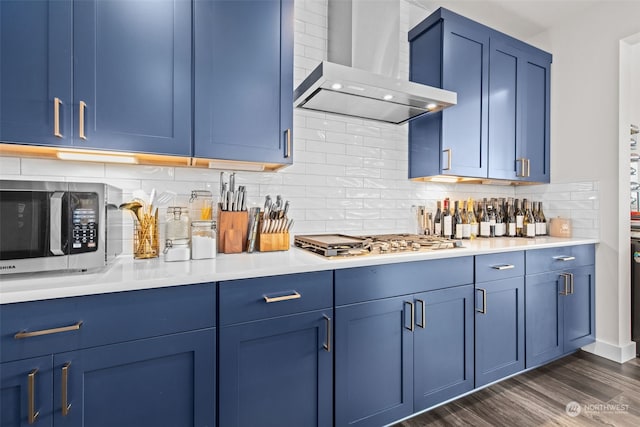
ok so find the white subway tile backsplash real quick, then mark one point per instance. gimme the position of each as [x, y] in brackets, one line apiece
[362, 171]
[363, 193]
[346, 138]
[139, 172]
[10, 165]
[344, 181]
[325, 214]
[326, 124]
[338, 159]
[317, 169]
[363, 214]
[49, 167]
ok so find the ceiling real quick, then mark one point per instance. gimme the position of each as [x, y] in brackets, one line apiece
[522, 19]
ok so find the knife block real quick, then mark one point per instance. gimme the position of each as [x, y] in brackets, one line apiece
[268, 242]
[232, 231]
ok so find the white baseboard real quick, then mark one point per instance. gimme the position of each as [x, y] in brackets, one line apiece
[613, 352]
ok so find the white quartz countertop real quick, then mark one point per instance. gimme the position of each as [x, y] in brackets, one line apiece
[126, 274]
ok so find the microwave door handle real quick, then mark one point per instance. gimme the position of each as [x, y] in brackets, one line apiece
[55, 223]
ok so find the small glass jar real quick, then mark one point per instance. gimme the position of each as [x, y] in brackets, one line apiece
[201, 204]
[177, 227]
[203, 239]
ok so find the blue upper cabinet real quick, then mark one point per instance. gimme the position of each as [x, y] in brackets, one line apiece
[454, 55]
[35, 72]
[132, 75]
[244, 80]
[500, 127]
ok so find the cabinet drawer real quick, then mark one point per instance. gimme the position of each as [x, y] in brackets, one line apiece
[261, 298]
[553, 259]
[499, 266]
[382, 281]
[81, 322]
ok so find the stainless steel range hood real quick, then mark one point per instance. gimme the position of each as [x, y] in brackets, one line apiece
[358, 80]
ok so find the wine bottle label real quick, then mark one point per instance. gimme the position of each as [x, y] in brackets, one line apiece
[512, 229]
[485, 229]
[458, 231]
[438, 229]
[447, 226]
[466, 231]
[531, 230]
[492, 222]
[475, 229]
[500, 229]
[519, 221]
[543, 228]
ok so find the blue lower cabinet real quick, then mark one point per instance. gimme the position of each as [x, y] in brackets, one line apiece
[499, 330]
[374, 362]
[166, 381]
[443, 345]
[277, 372]
[560, 313]
[26, 393]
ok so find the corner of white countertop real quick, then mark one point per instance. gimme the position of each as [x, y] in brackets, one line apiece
[127, 274]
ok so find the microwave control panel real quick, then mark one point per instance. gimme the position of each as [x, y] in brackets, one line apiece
[84, 222]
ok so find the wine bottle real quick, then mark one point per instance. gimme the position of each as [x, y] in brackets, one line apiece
[485, 228]
[528, 223]
[457, 221]
[447, 228]
[466, 226]
[499, 208]
[437, 221]
[511, 218]
[519, 219]
[473, 219]
[541, 224]
[492, 218]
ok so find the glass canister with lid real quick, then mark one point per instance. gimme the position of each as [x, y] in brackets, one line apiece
[201, 204]
[203, 239]
[177, 234]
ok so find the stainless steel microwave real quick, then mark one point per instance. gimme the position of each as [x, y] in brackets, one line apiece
[47, 226]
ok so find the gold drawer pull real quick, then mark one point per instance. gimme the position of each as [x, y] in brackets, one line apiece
[82, 107]
[564, 258]
[503, 267]
[25, 334]
[327, 345]
[31, 386]
[294, 295]
[56, 117]
[65, 389]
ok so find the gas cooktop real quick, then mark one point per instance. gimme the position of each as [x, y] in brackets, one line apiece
[341, 245]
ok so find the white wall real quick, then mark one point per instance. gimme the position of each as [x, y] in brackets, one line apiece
[586, 135]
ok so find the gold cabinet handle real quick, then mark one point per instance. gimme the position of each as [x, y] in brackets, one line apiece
[565, 277]
[449, 153]
[423, 318]
[65, 389]
[564, 258]
[56, 117]
[83, 106]
[25, 334]
[411, 317]
[287, 153]
[294, 295]
[327, 345]
[31, 386]
[503, 267]
[483, 310]
[528, 168]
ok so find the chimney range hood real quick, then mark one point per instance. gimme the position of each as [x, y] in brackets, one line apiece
[363, 53]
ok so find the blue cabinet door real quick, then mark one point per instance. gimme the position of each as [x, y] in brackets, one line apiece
[158, 382]
[132, 75]
[277, 372]
[505, 82]
[374, 362]
[35, 72]
[443, 345]
[579, 309]
[439, 144]
[26, 389]
[544, 305]
[499, 329]
[244, 80]
[535, 98]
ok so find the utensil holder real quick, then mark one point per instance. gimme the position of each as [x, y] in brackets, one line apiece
[232, 231]
[146, 237]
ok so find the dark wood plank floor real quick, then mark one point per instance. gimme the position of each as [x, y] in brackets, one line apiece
[606, 392]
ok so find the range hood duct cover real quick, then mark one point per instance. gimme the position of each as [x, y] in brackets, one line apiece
[359, 79]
